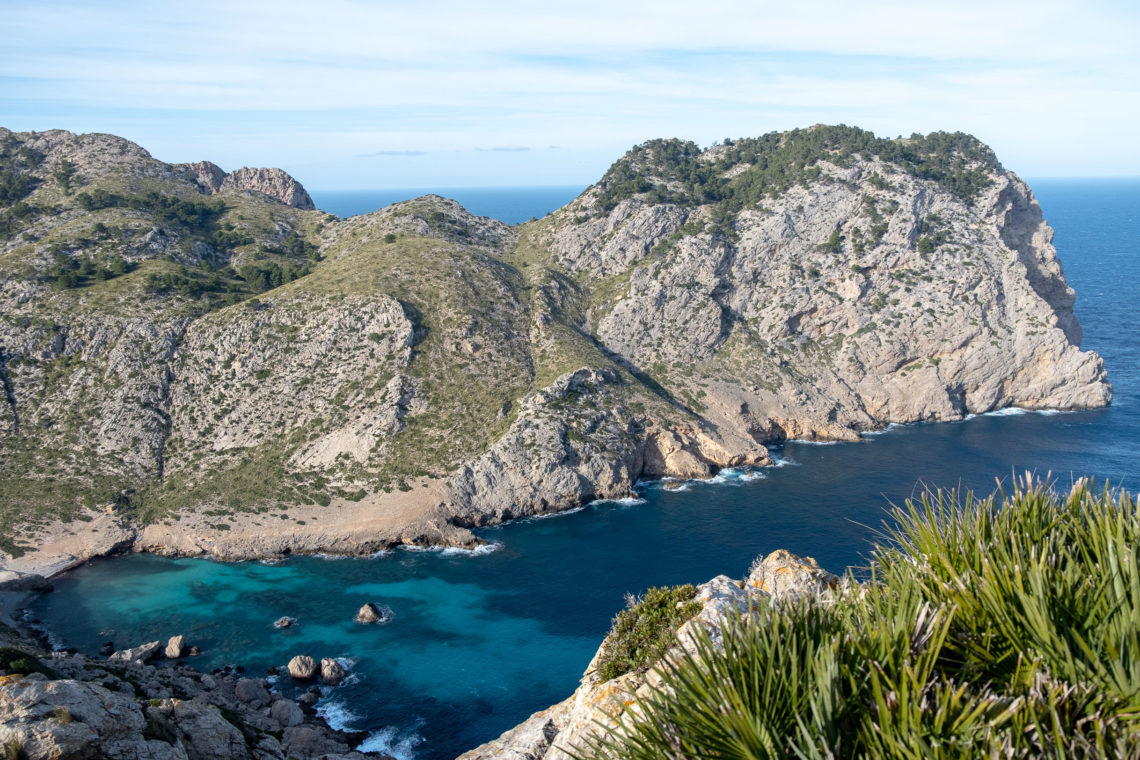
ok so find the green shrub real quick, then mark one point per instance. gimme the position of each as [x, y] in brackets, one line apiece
[1000, 627]
[643, 633]
[19, 662]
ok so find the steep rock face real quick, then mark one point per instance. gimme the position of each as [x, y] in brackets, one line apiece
[861, 296]
[272, 182]
[208, 175]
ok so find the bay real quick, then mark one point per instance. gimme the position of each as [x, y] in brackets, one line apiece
[479, 641]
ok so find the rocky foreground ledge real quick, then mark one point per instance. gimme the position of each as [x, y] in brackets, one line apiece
[562, 732]
[123, 709]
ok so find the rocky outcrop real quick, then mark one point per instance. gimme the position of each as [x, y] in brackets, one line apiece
[370, 612]
[176, 647]
[331, 672]
[137, 712]
[208, 175]
[137, 655]
[302, 668]
[272, 182]
[561, 732]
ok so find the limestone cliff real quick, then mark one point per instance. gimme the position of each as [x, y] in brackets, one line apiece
[245, 376]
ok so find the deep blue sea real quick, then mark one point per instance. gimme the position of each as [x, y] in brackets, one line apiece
[480, 641]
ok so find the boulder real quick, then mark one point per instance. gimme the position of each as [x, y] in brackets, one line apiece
[373, 613]
[783, 575]
[176, 647]
[107, 649]
[302, 668]
[139, 654]
[252, 691]
[331, 671]
[287, 713]
[284, 622]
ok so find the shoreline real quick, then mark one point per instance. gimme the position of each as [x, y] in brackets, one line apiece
[420, 517]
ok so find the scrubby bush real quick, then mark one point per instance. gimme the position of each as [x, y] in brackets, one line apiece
[643, 632]
[1000, 627]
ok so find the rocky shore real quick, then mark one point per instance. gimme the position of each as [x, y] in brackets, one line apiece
[138, 704]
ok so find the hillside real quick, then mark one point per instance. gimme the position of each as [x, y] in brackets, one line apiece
[202, 354]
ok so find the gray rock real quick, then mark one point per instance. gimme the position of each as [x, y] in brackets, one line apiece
[783, 575]
[138, 655]
[287, 713]
[252, 690]
[331, 672]
[302, 668]
[373, 613]
[176, 647]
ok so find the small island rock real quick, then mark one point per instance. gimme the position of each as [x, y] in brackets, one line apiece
[176, 647]
[373, 613]
[284, 622]
[302, 668]
[331, 671]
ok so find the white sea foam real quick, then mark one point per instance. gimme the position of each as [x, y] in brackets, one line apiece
[478, 551]
[392, 741]
[625, 501]
[890, 426]
[548, 515]
[455, 551]
[337, 715]
[1009, 411]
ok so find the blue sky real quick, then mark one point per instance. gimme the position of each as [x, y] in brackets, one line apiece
[349, 94]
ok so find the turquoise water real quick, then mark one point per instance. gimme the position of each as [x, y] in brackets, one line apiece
[480, 641]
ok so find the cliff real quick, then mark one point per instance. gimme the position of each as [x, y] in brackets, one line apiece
[191, 365]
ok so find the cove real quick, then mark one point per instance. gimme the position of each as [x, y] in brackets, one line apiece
[481, 640]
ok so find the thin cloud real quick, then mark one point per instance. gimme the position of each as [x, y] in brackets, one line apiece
[504, 149]
[395, 153]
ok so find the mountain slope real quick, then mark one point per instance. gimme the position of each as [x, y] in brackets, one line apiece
[226, 367]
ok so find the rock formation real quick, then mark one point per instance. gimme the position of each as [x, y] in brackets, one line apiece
[371, 612]
[331, 672]
[302, 668]
[560, 732]
[174, 342]
[176, 647]
[272, 182]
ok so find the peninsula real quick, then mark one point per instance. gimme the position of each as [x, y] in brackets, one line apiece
[200, 362]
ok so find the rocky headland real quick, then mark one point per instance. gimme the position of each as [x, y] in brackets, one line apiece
[196, 362]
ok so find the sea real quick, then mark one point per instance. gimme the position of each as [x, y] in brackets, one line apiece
[479, 640]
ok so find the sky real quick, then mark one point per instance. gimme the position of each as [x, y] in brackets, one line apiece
[348, 94]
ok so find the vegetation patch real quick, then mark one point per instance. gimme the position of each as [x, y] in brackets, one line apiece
[644, 631]
[1001, 627]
